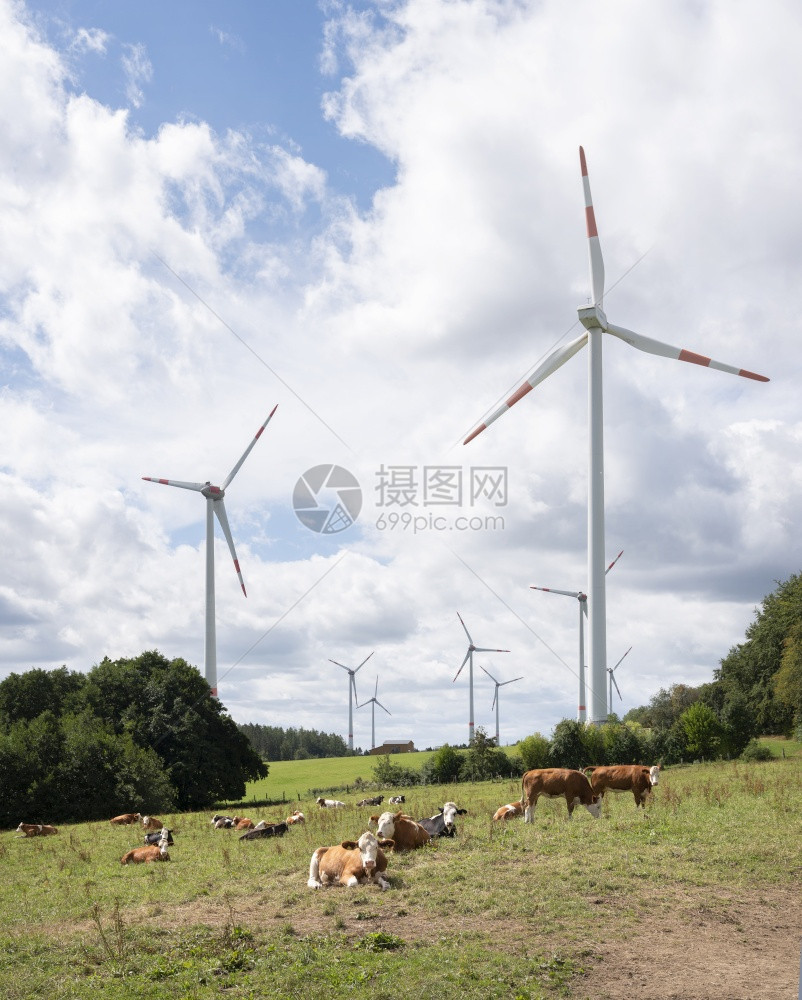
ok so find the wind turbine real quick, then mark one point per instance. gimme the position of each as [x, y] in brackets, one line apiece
[215, 506]
[499, 684]
[583, 612]
[469, 658]
[592, 317]
[611, 671]
[352, 695]
[373, 702]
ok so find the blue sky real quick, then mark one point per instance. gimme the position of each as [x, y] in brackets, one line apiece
[371, 214]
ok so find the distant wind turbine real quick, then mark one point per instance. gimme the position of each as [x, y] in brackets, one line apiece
[496, 699]
[351, 695]
[596, 324]
[611, 671]
[215, 508]
[469, 659]
[583, 613]
[373, 702]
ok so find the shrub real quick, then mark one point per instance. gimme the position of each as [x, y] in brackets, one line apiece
[756, 751]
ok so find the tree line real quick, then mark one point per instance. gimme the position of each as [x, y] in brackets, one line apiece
[131, 735]
[276, 743]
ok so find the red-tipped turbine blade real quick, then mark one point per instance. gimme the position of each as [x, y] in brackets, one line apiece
[456, 675]
[220, 511]
[484, 649]
[470, 640]
[198, 487]
[554, 361]
[615, 685]
[247, 451]
[613, 562]
[594, 247]
[492, 678]
[340, 665]
[565, 593]
[662, 350]
[512, 681]
[362, 664]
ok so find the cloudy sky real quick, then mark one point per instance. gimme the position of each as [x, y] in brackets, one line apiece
[371, 214]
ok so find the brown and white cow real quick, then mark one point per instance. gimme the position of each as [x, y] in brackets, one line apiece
[243, 823]
[126, 819]
[296, 817]
[558, 783]
[350, 863]
[635, 778]
[402, 829]
[510, 811]
[151, 823]
[375, 801]
[36, 830]
[153, 852]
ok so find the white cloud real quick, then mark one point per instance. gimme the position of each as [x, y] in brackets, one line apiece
[138, 72]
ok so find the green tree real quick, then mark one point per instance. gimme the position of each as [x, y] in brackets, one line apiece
[25, 696]
[483, 759]
[443, 766]
[703, 731]
[788, 679]
[567, 745]
[534, 751]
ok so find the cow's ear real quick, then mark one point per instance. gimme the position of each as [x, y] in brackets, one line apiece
[349, 845]
[399, 813]
[374, 819]
[387, 844]
[462, 812]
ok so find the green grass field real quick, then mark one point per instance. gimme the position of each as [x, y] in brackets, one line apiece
[704, 884]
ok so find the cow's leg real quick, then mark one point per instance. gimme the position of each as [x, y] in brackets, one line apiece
[571, 803]
[381, 881]
[529, 812]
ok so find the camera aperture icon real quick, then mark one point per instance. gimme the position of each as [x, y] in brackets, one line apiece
[327, 499]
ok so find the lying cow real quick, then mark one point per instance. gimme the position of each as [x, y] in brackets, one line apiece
[558, 783]
[350, 863]
[151, 823]
[36, 830]
[154, 838]
[635, 778]
[330, 803]
[402, 829]
[154, 852]
[376, 801]
[263, 829]
[296, 817]
[222, 822]
[396, 800]
[126, 819]
[243, 823]
[510, 811]
[442, 824]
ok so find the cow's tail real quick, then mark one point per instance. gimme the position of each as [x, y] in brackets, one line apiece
[587, 771]
[314, 869]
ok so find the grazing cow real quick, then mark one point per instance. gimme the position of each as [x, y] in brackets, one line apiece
[36, 830]
[375, 801]
[154, 838]
[296, 817]
[153, 852]
[243, 823]
[222, 822]
[635, 778]
[266, 830]
[442, 824]
[330, 803]
[151, 823]
[126, 819]
[510, 811]
[402, 829]
[350, 863]
[396, 800]
[556, 783]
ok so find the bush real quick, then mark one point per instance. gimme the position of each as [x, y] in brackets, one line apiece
[534, 751]
[756, 751]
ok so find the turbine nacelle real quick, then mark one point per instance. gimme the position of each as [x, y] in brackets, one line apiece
[592, 317]
[212, 492]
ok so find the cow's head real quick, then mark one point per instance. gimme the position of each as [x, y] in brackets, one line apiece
[450, 813]
[386, 823]
[368, 847]
[654, 774]
[594, 806]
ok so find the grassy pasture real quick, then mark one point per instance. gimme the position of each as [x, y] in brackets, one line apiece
[505, 910]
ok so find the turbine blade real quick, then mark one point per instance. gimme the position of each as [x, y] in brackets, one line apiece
[462, 665]
[387, 710]
[613, 562]
[341, 665]
[198, 487]
[554, 361]
[470, 640]
[495, 695]
[247, 451]
[512, 681]
[621, 660]
[376, 689]
[615, 685]
[565, 593]
[484, 649]
[218, 507]
[492, 678]
[594, 247]
[362, 664]
[650, 346]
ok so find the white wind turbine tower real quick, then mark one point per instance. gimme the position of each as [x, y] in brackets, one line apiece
[592, 317]
[469, 659]
[351, 695]
[215, 508]
[611, 671]
[373, 702]
[583, 611]
[496, 699]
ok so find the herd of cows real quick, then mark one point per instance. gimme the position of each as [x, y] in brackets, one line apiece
[364, 861]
